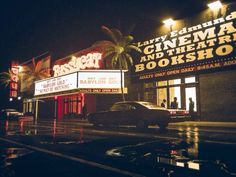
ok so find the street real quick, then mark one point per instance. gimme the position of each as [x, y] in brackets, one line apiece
[76, 148]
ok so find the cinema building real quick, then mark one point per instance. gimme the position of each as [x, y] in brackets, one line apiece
[195, 58]
[77, 80]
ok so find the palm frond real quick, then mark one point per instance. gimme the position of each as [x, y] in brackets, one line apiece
[114, 60]
[127, 40]
[108, 53]
[5, 78]
[118, 35]
[131, 46]
[103, 43]
[129, 58]
[110, 34]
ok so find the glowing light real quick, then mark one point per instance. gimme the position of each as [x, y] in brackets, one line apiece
[10, 99]
[194, 165]
[215, 5]
[19, 97]
[169, 22]
[20, 68]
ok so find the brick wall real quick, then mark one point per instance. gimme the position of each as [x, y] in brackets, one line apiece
[218, 96]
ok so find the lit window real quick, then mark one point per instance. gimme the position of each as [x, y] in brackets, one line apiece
[162, 83]
[190, 79]
[174, 82]
[148, 85]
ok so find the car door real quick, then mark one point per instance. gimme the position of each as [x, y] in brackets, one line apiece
[115, 114]
[129, 115]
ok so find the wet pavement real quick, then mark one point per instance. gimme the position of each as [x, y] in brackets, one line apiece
[72, 148]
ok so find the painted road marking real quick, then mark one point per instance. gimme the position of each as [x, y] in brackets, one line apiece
[87, 162]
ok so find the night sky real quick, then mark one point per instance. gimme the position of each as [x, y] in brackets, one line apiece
[62, 27]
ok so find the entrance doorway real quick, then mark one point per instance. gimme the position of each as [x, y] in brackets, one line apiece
[181, 88]
[190, 92]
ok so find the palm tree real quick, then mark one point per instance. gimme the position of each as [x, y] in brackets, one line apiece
[5, 77]
[33, 72]
[118, 49]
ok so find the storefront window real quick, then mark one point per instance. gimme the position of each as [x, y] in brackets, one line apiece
[161, 94]
[190, 80]
[162, 83]
[190, 92]
[175, 92]
[72, 104]
[182, 89]
[174, 82]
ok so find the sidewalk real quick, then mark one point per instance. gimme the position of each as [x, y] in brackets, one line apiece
[206, 124]
[185, 123]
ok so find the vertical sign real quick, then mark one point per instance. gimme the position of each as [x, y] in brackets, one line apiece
[14, 80]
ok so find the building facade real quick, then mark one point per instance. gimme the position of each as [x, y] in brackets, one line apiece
[193, 59]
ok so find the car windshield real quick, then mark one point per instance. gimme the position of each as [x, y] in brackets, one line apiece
[149, 105]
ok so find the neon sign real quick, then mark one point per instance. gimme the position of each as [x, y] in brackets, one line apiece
[14, 80]
[88, 61]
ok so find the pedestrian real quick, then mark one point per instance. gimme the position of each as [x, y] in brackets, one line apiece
[163, 104]
[191, 107]
[84, 111]
[174, 104]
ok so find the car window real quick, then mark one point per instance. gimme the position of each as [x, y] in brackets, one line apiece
[117, 107]
[149, 105]
[130, 107]
[122, 107]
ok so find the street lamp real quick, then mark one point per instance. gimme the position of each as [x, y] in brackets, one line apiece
[216, 5]
[10, 99]
[169, 22]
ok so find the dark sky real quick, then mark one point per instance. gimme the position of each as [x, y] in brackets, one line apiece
[31, 27]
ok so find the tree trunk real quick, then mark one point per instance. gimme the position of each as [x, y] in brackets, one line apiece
[121, 80]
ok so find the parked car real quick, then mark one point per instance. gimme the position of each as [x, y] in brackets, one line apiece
[141, 114]
[10, 114]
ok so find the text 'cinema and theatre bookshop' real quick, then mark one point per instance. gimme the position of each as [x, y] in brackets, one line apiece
[195, 59]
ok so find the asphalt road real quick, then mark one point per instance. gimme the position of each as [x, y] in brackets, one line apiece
[75, 148]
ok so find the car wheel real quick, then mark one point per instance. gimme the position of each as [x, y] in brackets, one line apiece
[162, 125]
[141, 124]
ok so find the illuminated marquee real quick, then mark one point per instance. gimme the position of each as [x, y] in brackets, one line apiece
[91, 79]
[58, 84]
[204, 46]
[88, 61]
[86, 81]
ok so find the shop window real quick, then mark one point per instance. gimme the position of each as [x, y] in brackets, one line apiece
[181, 88]
[190, 80]
[162, 83]
[149, 85]
[72, 104]
[190, 92]
[174, 82]
[175, 92]
[161, 94]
